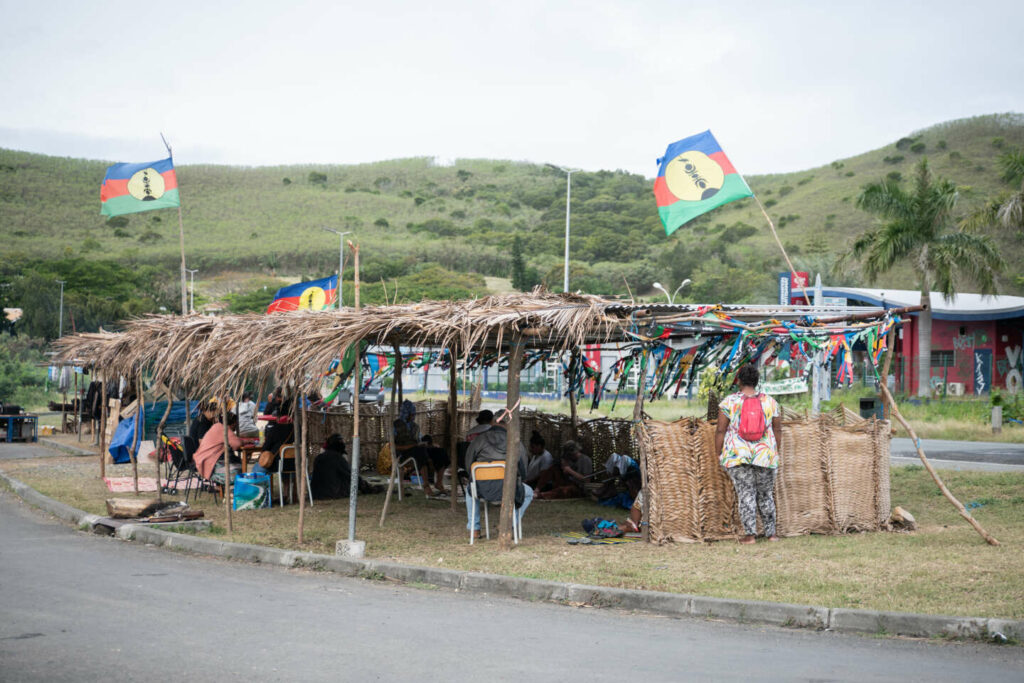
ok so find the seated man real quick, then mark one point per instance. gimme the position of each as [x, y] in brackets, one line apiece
[566, 478]
[490, 446]
[540, 459]
[484, 420]
[408, 444]
[279, 432]
[332, 472]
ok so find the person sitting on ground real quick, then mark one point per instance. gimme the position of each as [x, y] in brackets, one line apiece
[332, 472]
[208, 413]
[247, 428]
[566, 478]
[636, 511]
[408, 444]
[540, 459]
[489, 446]
[209, 457]
[748, 436]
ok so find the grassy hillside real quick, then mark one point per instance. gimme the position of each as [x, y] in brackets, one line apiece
[408, 213]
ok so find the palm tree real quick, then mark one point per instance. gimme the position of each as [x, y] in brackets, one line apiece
[1007, 210]
[918, 228]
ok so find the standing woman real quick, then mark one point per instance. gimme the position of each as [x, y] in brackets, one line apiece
[748, 436]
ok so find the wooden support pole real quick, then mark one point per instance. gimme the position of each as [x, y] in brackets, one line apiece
[928, 466]
[396, 476]
[508, 491]
[103, 429]
[227, 460]
[353, 492]
[573, 410]
[77, 404]
[638, 411]
[890, 350]
[453, 426]
[133, 452]
[300, 468]
[159, 444]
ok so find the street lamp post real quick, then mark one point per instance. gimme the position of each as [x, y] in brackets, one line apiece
[568, 195]
[192, 289]
[672, 297]
[60, 321]
[341, 257]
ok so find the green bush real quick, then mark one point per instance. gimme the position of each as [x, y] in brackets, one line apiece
[918, 147]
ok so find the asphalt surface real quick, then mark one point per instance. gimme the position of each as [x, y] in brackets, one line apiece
[964, 451]
[80, 607]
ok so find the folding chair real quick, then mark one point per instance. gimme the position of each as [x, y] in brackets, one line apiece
[288, 452]
[397, 463]
[190, 447]
[488, 471]
[176, 463]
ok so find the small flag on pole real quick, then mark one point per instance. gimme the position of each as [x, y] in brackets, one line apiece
[695, 177]
[131, 188]
[315, 295]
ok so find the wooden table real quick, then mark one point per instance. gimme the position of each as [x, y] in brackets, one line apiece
[247, 452]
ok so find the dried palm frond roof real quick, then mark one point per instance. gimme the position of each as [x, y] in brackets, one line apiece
[207, 352]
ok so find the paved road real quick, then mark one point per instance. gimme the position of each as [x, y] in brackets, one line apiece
[79, 607]
[976, 451]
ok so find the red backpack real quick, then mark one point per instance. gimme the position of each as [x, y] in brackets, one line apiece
[752, 425]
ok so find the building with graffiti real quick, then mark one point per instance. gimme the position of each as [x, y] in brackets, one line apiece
[976, 340]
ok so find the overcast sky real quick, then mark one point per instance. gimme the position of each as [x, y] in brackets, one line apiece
[594, 85]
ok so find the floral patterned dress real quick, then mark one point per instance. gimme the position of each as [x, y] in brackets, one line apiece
[736, 451]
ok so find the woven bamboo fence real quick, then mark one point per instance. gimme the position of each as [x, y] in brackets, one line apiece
[833, 478]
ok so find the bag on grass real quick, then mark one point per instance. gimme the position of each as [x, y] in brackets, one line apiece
[752, 425]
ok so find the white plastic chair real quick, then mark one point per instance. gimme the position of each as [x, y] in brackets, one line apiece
[289, 452]
[488, 471]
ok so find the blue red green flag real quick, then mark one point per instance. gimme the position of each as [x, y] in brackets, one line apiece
[131, 188]
[315, 295]
[695, 177]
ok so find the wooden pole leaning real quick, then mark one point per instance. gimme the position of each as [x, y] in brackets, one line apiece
[508, 491]
[775, 234]
[928, 466]
[181, 238]
[396, 398]
[77, 404]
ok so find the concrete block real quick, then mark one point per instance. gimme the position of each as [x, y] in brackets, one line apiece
[778, 613]
[511, 586]
[1011, 628]
[346, 566]
[447, 578]
[347, 548]
[907, 624]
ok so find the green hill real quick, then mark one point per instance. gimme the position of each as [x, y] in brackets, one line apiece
[410, 214]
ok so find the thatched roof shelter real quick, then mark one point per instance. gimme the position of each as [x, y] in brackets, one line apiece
[213, 353]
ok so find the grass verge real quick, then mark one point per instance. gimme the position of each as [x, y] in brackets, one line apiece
[944, 568]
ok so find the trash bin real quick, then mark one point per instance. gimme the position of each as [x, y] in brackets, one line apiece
[869, 407]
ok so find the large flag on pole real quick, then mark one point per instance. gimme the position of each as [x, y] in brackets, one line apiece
[315, 295]
[695, 177]
[131, 188]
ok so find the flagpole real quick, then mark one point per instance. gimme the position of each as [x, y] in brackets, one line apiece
[792, 270]
[181, 235]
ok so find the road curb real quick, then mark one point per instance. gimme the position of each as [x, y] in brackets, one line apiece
[649, 602]
[64, 448]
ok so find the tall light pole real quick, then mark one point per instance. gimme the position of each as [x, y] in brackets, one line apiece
[672, 297]
[341, 257]
[192, 289]
[60, 321]
[568, 195]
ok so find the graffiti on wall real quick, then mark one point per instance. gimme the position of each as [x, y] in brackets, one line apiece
[1013, 368]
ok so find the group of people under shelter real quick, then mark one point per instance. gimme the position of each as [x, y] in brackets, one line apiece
[747, 438]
